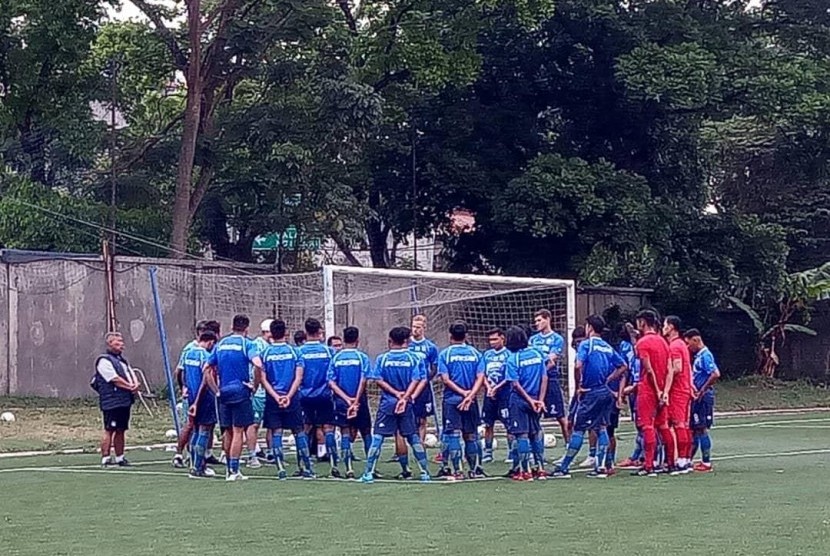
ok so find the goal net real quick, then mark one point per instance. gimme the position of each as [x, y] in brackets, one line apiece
[376, 300]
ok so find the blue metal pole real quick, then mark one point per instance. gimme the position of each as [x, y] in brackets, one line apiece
[171, 390]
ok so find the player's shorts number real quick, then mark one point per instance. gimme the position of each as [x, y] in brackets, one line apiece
[428, 407]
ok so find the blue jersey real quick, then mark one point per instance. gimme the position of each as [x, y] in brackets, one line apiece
[703, 367]
[463, 364]
[626, 351]
[232, 356]
[280, 362]
[316, 358]
[526, 367]
[426, 349]
[494, 365]
[398, 368]
[194, 359]
[190, 345]
[598, 361]
[550, 343]
[347, 368]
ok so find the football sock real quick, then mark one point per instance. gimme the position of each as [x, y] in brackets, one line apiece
[575, 444]
[419, 452]
[276, 450]
[374, 454]
[706, 447]
[602, 449]
[303, 451]
[331, 448]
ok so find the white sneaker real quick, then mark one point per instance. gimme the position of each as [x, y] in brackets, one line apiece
[559, 461]
[254, 463]
[588, 463]
[236, 477]
[208, 472]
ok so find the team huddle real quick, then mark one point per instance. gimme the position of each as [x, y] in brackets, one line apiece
[314, 388]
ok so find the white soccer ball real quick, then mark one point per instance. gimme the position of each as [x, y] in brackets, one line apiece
[289, 440]
[171, 434]
[430, 440]
[550, 440]
[7, 417]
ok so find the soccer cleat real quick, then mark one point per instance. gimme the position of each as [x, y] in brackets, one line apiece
[588, 463]
[517, 476]
[701, 467]
[260, 454]
[676, 471]
[439, 458]
[644, 473]
[629, 463]
[367, 478]
[123, 463]
[558, 461]
[297, 474]
[178, 461]
[597, 474]
[540, 474]
[254, 463]
[377, 475]
[488, 458]
[404, 476]
[478, 473]
[527, 476]
[350, 475]
[223, 459]
[444, 472]
[560, 474]
[511, 474]
[335, 473]
[211, 460]
[269, 459]
[233, 477]
[208, 472]
[611, 471]
[109, 463]
[194, 474]
[308, 475]
[425, 478]
[393, 459]
[458, 476]
[282, 475]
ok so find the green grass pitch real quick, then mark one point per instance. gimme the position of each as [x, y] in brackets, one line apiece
[770, 494]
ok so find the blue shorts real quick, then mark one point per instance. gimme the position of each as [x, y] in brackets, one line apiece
[554, 401]
[456, 420]
[236, 414]
[522, 418]
[703, 413]
[205, 411]
[387, 422]
[495, 409]
[361, 422]
[276, 417]
[594, 410]
[424, 405]
[318, 411]
[574, 403]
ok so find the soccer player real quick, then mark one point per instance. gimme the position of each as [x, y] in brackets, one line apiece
[299, 338]
[552, 346]
[254, 453]
[653, 353]
[316, 400]
[228, 365]
[334, 343]
[283, 378]
[201, 401]
[424, 396]
[627, 337]
[186, 434]
[398, 373]
[680, 393]
[496, 397]
[598, 368]
[525, 372]
[461, 369]
[347, 379]
[706, 373]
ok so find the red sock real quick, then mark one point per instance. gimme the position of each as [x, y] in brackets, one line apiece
[649, 448]
[670, 445]
[684, 442]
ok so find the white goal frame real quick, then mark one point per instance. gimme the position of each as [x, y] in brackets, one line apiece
[569, 285]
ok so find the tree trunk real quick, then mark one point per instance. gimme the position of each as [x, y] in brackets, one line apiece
[377, 243]
[182, 213]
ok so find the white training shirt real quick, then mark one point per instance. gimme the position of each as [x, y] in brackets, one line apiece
[107, 371]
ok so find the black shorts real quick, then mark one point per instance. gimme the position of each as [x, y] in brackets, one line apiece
[117, 419]
[594, 410]
[424, 405]
[361, 422]
[554, 401]
[456, 420]
[523, 420]
[275, 417]
[614, 422]
[495, 409]
[237, 414]
[318, 411]
[206, 411]
[387, 422]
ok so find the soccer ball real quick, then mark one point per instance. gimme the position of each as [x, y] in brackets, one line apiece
[288, 440]
[550, 440]
[8, 417]
[171, 434]
[430, 440]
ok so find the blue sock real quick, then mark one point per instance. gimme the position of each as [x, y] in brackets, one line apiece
[346, 450]
[199, 450]
[420, 453]
[403, 460]
[367, 443]
[302, 451]
[602, 448]
[577, 438]
[331, 448]
[537, 445]
[706, 447]
[234, 465]
[454, 444]
[523, 450]
[374, 454]
[592, 451]
[276, 450]
[695, 444]
[471, 453]
[610, 458]
[638, 447]
[191, 446]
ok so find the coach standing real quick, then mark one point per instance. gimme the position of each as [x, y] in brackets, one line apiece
[116, 385]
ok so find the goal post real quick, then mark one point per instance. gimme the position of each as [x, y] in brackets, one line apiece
[376, 299]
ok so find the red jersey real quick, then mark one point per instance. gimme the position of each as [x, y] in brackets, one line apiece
[683, 382]
[653, 347]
